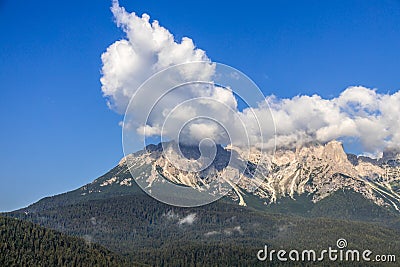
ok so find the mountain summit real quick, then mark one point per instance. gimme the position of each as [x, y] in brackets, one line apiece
[314, 170]
[304, 197]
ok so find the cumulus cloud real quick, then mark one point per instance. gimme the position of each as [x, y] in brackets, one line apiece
[189, 219]
[148, 49]
[360, 113]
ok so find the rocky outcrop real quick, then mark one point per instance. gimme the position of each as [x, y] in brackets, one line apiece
[315, 169]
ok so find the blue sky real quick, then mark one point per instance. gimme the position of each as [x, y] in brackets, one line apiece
[56, 130]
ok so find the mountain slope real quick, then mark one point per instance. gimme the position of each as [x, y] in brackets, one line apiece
[156, 233]
[26, 244]
[308, 198]
[316, 171]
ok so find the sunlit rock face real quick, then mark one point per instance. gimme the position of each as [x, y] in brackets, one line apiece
[317, 170]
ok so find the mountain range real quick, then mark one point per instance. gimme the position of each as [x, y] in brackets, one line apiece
[315, 170]
[306, 197]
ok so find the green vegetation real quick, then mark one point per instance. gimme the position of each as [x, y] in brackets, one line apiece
[137, 228]
[222, 233]
[342, 204]
[26, 244]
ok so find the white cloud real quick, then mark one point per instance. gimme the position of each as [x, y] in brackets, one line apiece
[238, 229]
[226, 231]
[212, 233]
[148, 49]
[358, 112]
[230, 231]
[189, 219]
[171, 215]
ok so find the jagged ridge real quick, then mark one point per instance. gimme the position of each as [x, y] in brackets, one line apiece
[317, 170]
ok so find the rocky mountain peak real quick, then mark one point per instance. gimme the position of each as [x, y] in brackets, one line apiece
[335, 152]
[391, 157]
[317, 170]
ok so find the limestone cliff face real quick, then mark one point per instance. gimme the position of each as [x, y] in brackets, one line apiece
[316, 169]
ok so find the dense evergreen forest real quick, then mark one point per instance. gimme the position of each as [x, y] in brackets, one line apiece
[26, 244]
[220, 234]
[135, 228]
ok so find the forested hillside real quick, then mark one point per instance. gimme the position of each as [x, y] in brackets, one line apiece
[26, 244]
[222, 234]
